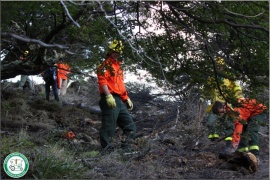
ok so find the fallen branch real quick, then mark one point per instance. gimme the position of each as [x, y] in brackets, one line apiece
[216, 141]
[177, 117]
[32, 126]
[264, 135]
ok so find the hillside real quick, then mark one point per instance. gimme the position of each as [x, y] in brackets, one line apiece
[171, 138]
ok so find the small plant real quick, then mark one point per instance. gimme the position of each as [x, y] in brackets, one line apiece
[50, 167]
[90, 154]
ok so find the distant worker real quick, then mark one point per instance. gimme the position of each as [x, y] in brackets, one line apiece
[49, 76]
[62, 78]
[114, 102]
[25, 80]
[230, 89]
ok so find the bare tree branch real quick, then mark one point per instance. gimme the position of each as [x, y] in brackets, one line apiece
[66, 9]
[241, 15]
[219, 21]
[36, 41]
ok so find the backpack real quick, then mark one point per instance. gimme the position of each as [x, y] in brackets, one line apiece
[49, 74]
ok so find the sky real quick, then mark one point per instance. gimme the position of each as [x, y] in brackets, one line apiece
[36, 78]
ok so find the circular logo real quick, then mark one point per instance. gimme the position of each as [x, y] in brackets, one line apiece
[16, 165]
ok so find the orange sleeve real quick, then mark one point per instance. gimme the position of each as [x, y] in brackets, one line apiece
[101, 74]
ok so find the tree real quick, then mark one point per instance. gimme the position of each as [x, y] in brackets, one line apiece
[197, 32]
[71, 28]
[182, 55]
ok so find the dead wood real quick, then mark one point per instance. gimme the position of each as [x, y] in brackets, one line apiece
[92, 109]
[29, 126]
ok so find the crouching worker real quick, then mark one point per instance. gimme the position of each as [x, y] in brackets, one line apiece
[114, 102]
[247, 117]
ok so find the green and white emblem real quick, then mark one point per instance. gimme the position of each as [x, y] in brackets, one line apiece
[16, 165]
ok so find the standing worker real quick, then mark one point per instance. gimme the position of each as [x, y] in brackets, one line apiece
[114, 102]
[229, 89]
[62, 79]
[49, 77]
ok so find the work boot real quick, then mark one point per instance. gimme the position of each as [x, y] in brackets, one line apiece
[228, 144]
[127, 149]
[252, 162]
[213, 137]
[107, 150]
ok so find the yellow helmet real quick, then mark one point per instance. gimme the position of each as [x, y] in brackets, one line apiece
[116, 46]
[220, 61]
[26, 52]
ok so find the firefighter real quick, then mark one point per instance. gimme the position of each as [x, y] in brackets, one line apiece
[114, 102]
[247, 117]
[229, 89]
[62, 78]
[49, 76]
[25, 78]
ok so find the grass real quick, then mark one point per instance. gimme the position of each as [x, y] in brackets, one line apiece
[53, 161]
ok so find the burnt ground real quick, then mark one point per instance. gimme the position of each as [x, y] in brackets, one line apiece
[172, 140]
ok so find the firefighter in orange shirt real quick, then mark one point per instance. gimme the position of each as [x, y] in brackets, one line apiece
[62, 79]
[247, 118]
[114, 102]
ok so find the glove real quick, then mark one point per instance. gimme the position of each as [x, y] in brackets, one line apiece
[238, 94]
[201, 100]
[129, 104]
[110, 101]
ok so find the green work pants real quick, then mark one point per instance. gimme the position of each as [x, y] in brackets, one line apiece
[250, 135]
[111, 118]
[218, 127]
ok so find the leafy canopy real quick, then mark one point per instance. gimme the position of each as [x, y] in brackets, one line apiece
[176, 42]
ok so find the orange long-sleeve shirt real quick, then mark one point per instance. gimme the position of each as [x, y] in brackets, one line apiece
[63, 70]
[110, 73]
[248, 109]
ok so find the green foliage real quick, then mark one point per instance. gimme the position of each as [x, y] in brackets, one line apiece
[19, 143]
[191, 35]
[14, 144]
[56, 162]
[189, 45]
[46, 166]
[90, 154]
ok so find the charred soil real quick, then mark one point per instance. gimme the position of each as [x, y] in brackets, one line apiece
[171, 137]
